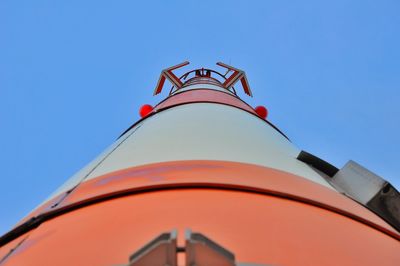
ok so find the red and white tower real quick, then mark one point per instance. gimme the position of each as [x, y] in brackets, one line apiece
[205, 179]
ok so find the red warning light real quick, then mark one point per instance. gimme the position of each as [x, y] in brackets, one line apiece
[261, 111]
[145, 110]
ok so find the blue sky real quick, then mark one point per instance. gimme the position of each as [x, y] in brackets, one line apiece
[73, 75]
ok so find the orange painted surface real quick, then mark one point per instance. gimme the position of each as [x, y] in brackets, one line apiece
[217, 174]
[220, 174]
[257, 228]
[4, 250]
[204, 95]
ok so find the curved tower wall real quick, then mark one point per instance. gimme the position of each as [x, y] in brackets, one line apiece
[204, 160]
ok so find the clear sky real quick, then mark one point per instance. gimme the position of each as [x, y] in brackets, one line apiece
[74, 73]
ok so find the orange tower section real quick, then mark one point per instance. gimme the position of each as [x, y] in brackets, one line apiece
[203, 178]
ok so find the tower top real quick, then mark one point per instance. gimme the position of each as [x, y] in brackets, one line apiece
[203, 76]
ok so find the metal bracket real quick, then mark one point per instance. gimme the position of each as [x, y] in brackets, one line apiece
[234, 77]
[202, 251]
[161, 251]
[361, 185]
[199, 251]
[168, 74]
[369, 189]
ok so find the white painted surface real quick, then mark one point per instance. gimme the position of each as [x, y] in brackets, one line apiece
[199, 131]
[85, 171]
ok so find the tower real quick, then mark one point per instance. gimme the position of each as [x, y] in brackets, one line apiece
[203, 178]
